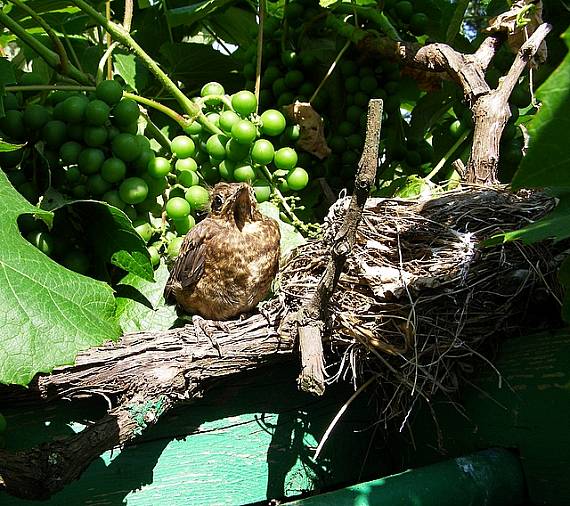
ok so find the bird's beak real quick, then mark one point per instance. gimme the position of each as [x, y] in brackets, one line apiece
[243, 206]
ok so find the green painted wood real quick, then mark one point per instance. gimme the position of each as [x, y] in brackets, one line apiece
[246, 441]
[489, 478]
[529, 412]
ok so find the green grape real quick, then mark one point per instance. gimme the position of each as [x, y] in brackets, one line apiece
[244, 103]
[262, 152]
[236, 151]
[94, 136]
[131, 212]
[126, 147]
[154, 255]
[77, 261]
[144, 229]
[297, 179]
[188, 178]
[141, 163]
[212, 88]
[193, 128]
[210, 173]
[113, 198]
[272, 123]
[113, 170]
[42, 240]
[186, 164]
[97, 113]
[404, 10]
[244, 132]
[285, 158]
[216, 146]
[419, 23]
[126, 112]
[75, 132]
[35, 116]
[109, 91]
[177, 207]
[96, 185]
[159, 167]
[72, 174]
[244, 173]
[294, 79]
[90, 160]
[74, 108]
[183, 146]
[11, 101]
[11, 159]
[227, 120]
[174, 247]
[156, 186]
[262, 190]
[54, 133]
[198, 197]
[12, 124]
[226, 170]
[293, 132]
[133, 190]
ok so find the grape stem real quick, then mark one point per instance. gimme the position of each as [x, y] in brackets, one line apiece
[104, 59]
[259, 52]
[183, 122]
[59, 49]
[330, 70]
[51, 57]
[447, 155]
[125, 38]
[283, 202]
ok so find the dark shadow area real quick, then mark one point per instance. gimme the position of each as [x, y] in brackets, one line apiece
[283, 424]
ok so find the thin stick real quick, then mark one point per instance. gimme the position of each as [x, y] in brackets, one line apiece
[341, 412]
[259, 51]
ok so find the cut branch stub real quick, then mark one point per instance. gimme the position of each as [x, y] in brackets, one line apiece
[311, 320]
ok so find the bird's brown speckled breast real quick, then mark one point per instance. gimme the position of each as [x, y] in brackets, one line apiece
[238, 269]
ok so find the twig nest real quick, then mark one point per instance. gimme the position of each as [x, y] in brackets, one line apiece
[419, 296]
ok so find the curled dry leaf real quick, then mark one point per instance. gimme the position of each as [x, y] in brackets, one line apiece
[530, 10]
[312, 137]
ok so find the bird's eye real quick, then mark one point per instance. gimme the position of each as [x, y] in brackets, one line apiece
[217, 202]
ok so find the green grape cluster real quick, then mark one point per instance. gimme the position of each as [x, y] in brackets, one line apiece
[88, 147]
[247, 146]
[296, 71]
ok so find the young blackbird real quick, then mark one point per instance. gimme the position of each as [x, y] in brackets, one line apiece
[226, 262]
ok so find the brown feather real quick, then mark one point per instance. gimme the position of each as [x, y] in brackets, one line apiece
[227, 262]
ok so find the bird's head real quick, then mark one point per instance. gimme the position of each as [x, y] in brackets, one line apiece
[234, 202]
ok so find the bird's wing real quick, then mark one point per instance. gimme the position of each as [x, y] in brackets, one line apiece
[189, 265]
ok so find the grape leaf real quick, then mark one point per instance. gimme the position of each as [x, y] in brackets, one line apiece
[131, 69]
[109, 233]
[140, 303]
[290, 236]
[113, 238]
[555, 225]
[196, 64]
[548, 159]
[190, 14]
[49, 313]
[7, 146]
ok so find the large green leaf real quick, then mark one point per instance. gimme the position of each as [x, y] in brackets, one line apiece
[234, 25]
[140, 303]
[131, 69]
[555, 225]
[547, 162]
[194, 12]
[113, 238]
[49, 313]
[109, 234]
[197, 64]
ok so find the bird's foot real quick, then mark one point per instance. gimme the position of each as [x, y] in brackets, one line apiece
[203, 329]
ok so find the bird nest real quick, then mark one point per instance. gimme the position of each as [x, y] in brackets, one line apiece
[419, 298]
